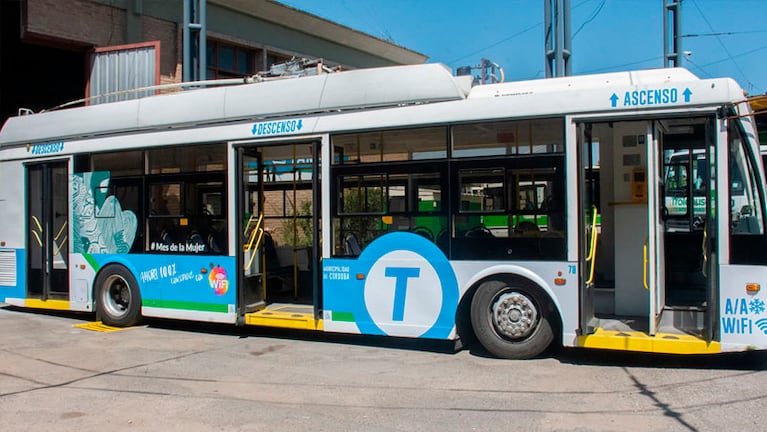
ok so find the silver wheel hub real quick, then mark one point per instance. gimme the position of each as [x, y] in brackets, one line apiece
[514, 315]
[117, 295]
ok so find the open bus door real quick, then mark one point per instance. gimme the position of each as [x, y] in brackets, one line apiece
[47, 230]
[250, 230]
[654, 257]
[648, 221]
[278, 233]
[710, 237]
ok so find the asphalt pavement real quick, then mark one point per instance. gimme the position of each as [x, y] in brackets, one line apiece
[182, 376]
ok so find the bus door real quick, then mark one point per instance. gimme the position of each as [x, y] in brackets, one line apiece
[653, 253]
[619, 227]
[279, 197]
[687, 226]
[250, 230]
[647, 224]
[47, 186]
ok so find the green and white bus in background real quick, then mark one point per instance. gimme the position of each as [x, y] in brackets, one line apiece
[402, 201]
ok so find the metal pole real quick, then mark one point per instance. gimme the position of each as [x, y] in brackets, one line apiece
[567, 39]
[672, 33]
[195, 49]
[678, 33]
[202, 38]
[548, 31]
[186, 53]
[557, 37]
[560, 40]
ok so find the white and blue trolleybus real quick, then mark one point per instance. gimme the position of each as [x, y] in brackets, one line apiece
[402, 201]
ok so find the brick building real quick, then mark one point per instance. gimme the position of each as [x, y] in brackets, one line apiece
[49, 49]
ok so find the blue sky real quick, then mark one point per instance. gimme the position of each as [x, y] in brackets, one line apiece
[724, 37]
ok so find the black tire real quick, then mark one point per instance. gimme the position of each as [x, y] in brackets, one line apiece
[118, 300]
[512, 319]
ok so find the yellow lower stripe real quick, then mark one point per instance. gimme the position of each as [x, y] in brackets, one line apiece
[285, 316]
[47, 304]
[662, 343]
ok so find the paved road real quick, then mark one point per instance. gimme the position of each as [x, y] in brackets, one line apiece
[164, 377]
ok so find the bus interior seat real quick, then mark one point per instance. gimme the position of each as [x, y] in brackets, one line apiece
[216, 242]
[270, 251]
[302, 259]
[424, 232]
[526, 227]
[747, 223]
[196, 238]
[352, 245]
[443, 239]
[167, 237]
[284, 256]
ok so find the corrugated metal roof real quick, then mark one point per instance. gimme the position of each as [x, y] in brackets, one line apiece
[123, 69]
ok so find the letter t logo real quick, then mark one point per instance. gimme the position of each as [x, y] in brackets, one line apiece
[402, 274]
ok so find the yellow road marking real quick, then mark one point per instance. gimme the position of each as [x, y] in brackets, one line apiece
[99, 327]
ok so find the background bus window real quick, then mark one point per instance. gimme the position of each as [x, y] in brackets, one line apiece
[685, 180]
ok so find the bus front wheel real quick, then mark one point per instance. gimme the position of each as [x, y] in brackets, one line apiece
[511, 319]
[118, 301]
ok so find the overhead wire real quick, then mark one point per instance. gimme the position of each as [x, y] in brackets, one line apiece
[591, 18]
[719, 39]
[607, 68]
[495, 44]
[506, 39]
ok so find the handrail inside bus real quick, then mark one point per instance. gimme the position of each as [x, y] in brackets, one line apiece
[255, 238]
[593, 245]
[247, 225]
[39, 228]
[644, 270]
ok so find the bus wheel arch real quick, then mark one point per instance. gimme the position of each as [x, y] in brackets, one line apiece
[512, 317]
[117, 296]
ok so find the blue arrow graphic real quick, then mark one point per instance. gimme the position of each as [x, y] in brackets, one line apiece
[255, 127]
[300, 124]
[687, 94]
[614, 100]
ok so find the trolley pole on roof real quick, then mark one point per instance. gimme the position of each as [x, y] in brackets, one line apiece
[557, 33]
[672, 33]
[195, 50]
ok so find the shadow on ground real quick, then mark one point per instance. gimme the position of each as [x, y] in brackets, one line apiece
[750, 360]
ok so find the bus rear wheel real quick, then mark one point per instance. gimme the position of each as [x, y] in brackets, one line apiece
[511, 319]
[118, 301]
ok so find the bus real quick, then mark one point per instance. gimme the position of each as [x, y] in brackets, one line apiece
[405, 202]
[759, 107]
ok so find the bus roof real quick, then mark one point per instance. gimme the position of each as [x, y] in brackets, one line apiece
[356, 89]
[373, 88]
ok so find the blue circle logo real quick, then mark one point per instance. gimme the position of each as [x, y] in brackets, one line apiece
[410, 288]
